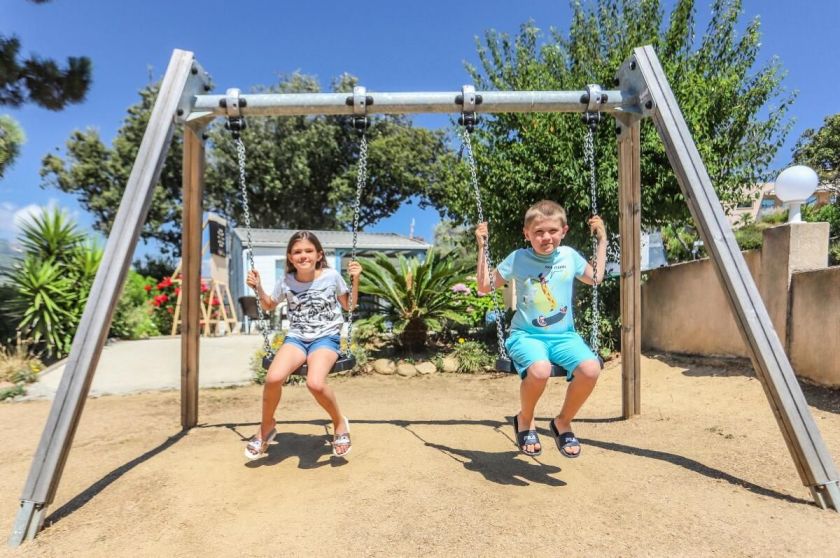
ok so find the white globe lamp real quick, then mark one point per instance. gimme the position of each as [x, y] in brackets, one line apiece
[793, 187]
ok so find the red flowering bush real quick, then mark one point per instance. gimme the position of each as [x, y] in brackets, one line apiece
[163, 298]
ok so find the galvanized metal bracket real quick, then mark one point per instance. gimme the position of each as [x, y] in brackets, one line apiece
[198, 83]
[360, 101]
[634, 89]
[469, 101]
[233, 103]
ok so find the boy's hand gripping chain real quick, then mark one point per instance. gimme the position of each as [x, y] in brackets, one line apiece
[468, 99]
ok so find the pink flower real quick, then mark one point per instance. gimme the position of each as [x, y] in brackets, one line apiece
[460, 288]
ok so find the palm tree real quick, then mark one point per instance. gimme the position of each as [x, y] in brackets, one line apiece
[416, 297]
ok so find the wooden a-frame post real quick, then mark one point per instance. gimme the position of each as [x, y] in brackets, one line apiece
[628, 130]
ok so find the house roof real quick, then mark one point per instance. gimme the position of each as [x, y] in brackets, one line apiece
[265, 238]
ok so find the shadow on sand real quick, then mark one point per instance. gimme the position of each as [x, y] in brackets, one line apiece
[505, 468]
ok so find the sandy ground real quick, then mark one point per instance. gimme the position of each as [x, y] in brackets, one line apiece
[702, 472]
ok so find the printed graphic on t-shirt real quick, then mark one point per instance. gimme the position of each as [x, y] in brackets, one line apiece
[538, 294]
[544, 287]
[311, 310]
[314, 310]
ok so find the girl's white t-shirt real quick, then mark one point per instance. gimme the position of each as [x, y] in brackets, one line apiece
[314, 310]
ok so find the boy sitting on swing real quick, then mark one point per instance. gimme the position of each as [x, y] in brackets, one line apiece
[543, 330]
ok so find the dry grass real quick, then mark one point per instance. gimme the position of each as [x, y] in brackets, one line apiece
[17, 365]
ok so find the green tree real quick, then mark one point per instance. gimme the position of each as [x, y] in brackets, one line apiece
[722, 91]
[300, 170]
[735, 108]
[97, 174]
[11, 138]
[820, 150]
[35, 80]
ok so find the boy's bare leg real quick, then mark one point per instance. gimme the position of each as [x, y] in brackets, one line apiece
[320, 362]
[581, 386]
[530, 391]
[288, 359]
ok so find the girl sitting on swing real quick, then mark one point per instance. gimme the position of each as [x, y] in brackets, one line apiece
[313, 292]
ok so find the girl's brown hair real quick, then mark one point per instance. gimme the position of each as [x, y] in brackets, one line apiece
[305, 235]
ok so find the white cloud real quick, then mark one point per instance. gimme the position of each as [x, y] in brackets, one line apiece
[27, 214]
[13, 217]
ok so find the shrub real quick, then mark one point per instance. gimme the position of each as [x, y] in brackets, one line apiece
[162, 297]
[133, 315]
[476, 306]
[368, 332]
[472, 356]
[18, 367]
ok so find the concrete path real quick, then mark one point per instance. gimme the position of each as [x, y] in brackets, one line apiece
[155, 364]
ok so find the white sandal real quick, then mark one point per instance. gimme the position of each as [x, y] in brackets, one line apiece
[256, 448]
[342, 440]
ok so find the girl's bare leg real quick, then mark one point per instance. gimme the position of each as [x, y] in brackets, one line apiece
[288, 359]
[320, 362]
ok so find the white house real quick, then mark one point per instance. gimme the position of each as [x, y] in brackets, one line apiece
[270, 252]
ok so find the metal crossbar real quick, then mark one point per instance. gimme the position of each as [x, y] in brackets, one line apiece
[291, 104]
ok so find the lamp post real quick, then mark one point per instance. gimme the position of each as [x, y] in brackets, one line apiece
[793, 186]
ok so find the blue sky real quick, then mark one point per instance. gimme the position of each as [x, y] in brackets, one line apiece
[390, 45]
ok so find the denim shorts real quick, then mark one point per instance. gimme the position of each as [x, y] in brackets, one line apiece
[565, 349]
[332, 342]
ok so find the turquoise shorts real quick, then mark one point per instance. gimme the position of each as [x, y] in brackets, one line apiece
[565, 349]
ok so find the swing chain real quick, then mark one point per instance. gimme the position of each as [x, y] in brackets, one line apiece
[361, 180]
[263, 319]
[497, 310]
[589, 159]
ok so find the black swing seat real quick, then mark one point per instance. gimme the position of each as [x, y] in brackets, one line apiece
[506, 365]
[343, 364]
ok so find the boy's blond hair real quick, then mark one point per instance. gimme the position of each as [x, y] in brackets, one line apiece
[545, 209]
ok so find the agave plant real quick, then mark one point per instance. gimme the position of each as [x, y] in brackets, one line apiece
[52, 282]
[42, 304]
[51, 234]
[416, 297]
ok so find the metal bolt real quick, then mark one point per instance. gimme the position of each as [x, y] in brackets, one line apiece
[194, 70]
[180, 112]
[618, 130]
[207, 87]
[632, 64]
[649, 105]
[616, 82]
[205, 136]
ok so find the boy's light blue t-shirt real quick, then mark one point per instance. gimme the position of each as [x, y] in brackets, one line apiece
[543, 288]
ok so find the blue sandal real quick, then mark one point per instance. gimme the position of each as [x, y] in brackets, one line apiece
[526, 438]
[565, 440]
